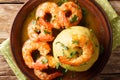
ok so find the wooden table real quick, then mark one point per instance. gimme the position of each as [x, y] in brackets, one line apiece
[8, 11]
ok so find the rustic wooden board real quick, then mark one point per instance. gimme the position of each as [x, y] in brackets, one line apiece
[116, 6]
[13, 1]
[8, 78]
[4, 68]
[113, 65]
[7, 15]
[5, 72]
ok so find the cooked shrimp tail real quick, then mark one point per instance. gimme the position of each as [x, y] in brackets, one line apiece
[45, 76]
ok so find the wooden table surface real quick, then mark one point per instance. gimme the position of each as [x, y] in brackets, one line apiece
[8, 11]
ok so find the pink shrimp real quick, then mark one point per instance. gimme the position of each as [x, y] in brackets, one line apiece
[87, 52]
[49, 12]
[72, 14]
[43, 75]
[40, 32]
[30, 46]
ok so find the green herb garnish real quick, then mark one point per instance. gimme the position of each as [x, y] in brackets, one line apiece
[46, 32]
[65, 47]
[61, 2]
[76, 1]
[66, 70]
[75, 42]
[37, 30]
[34, 22]
[44, 60]
[74, 18]
[57, 65]
[73, 53]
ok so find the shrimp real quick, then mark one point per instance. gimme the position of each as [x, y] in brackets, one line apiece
[49, 13]
[87, 52]
[48, 60]
[72, 14]
[51, 61]
[39, 32]
[29, 47]
[43, 75]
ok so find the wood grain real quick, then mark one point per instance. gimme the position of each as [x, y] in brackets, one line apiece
[116, 6]
[5, 72]
[12, 1]
[7, 15]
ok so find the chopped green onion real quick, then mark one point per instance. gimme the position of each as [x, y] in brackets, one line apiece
[65, 47]
[61, 2]
[75, 42]
[44, 60]
[73, 53]
[57, 65]
[74, 18]
[37, 30]
[34, 22]
[46, 32]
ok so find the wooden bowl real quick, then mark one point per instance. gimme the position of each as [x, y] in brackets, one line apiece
[102, 30]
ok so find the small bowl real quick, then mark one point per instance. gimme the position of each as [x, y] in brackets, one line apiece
[102, 31]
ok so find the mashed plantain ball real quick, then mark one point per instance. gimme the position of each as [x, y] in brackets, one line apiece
[76, 48]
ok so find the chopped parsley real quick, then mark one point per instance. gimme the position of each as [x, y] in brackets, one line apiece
[64, 71]
[73, 53]
[46, 32]
[37, 30]
[57, 65]
[65, 47]
[76, 1]
[75, 42]
[44, 60]
[73, 19]
[61, 2]
[34, 22]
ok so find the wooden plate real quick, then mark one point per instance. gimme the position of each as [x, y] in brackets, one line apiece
[102, 29]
